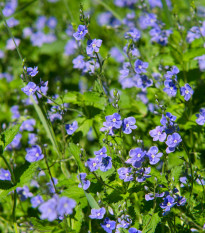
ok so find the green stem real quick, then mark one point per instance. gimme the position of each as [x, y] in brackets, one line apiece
[15, 194]
[190, 165]
[10, 33]
[49, 171]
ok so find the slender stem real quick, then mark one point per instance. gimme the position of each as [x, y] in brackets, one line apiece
[49, 171]
[101, 181]
[70, 109]
[15, 194]
[10, 33]
[190, 165]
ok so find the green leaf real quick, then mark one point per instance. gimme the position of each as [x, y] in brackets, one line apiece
[150, 223]
[192, 53]
[5, 184]
[8, 135]
[46, 124]
[42, 225]
[74, 192]
[74, 150]
[70, 97]
[160, 177]
[94, 99]
[176, 172]
[79, 219]
[92, 202]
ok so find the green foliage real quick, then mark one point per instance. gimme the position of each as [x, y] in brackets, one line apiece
[8, 135]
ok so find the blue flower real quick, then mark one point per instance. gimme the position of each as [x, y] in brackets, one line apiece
[93, 46]
[32, 138]
[97, 213]
[168, 119]
[71, 128]
[124, 221]
[143, 82]
[34, 154]
[140, 66]
[32, 71]
[142, 174]
[170, 88]
[5, 174]
[24, 193]
[93, 164]
[51, 188]
[30, 88]
[133, 34]
[107, 127]
[106, 164]
[172, 142]
[81, 32]
[85, 184]
[134, 230]
[48, 209]
[101, 153]
[174, 71]
[36, 201]
[153, 155]
[158, 134]
[186, 91]
[16, 143]
[28, 125]
[65, 206]
[168, 203]
[125, 174]
[108, 225]
[149, 197]
[128, 124]
[79, 62]
[201, 117]
[193, 33]
[137, 157]
[114, 120]
[15, 112]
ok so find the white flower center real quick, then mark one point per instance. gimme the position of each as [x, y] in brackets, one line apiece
[159, 133]
[153, 156]
[101, 153]
[108, 225]
[81, 32]
[94, 45]
[187, 92]
[71, 128]
[94, 164]
[171, 88]
[65, 205]
[127, 125]
[6, 174]
[98, 214]
[30, 90]
[37, 154]
[138, 155]
[175, 141]
[140, 67]
[169, 204]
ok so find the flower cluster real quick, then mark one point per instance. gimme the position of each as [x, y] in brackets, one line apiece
[114, 122]
[101, 160]
[56, 207]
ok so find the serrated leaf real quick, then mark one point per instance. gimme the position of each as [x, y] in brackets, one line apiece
[94, 99]
[42, 225]
[192, 53]
[176, 172]
[150, 223]
[160, 177]
[8, 135]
